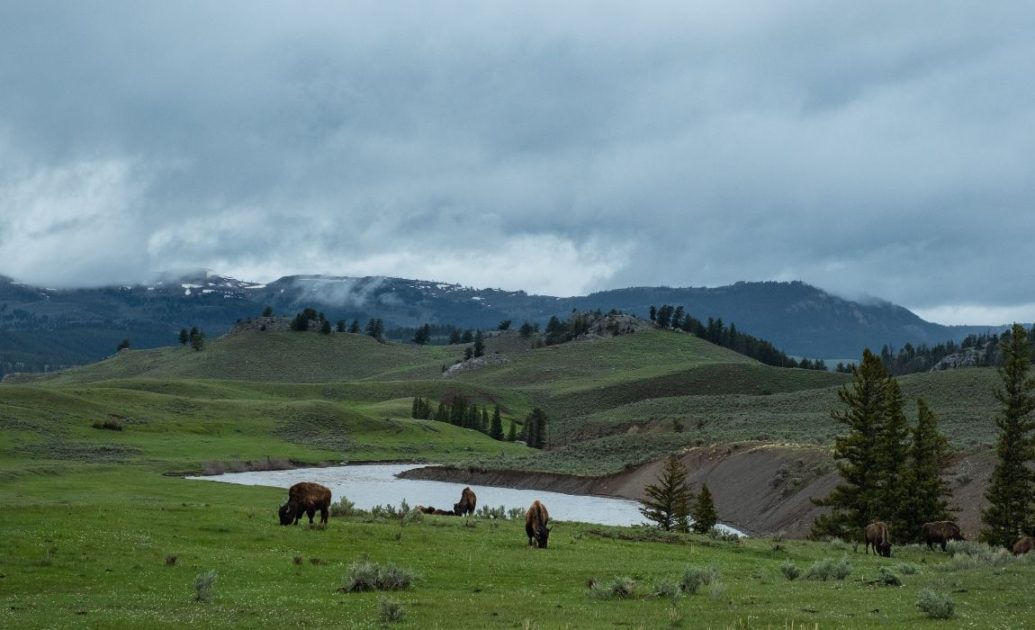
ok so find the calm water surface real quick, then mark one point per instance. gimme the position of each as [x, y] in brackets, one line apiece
[376, 484]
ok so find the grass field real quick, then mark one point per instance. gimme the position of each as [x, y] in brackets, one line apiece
[91, 548]
[91, 517]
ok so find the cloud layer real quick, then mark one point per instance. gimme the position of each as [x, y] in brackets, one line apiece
[880, 149]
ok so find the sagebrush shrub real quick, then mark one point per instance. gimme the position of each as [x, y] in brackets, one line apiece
[370, 576]
[615, 588]
[790, 570]
[696, 577]
[390, 611]
[343, 507]
[205, 587]
[935, 605]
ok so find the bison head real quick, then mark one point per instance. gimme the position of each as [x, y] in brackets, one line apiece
[542, 537]
[884, 549]
[287, 515]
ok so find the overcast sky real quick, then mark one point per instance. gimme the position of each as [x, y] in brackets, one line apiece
[883, 149]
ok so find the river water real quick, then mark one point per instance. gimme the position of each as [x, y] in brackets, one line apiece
[376, 484]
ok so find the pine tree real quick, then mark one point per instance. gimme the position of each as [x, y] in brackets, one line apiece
[471, 418]
[926, 488]
[891, 461]
[512, 432]
[483, 425]
[454, 337]
[341, 326]
[526, 330]
[184, 337]
[422, 335]
[267, 312]
[468, 353]
[535, 428]
[705, 516]
[354, 327]
[197, 339]
[123, 345]
[854, 501]
[479, 344]
[325, 327]
[467, 337]
[496, 429]
[457, 411]
[442, 414]
[1010, 492]
[667, 501]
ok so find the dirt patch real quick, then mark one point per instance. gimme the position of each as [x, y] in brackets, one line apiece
[760, 489]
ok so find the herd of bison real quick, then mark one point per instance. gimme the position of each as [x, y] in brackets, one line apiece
[308, 497]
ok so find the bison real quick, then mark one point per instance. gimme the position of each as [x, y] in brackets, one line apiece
[536, 520]
[1023, 545]
[306, 498]
[466, 504]
[876, 536]
[939, 533]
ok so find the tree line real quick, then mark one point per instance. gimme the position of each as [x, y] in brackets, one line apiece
[458, 411]
[715, 331]
[893, 470]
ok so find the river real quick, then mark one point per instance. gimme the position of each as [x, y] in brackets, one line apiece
[376, 484]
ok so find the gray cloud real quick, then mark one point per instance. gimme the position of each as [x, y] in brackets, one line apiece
[878, 149]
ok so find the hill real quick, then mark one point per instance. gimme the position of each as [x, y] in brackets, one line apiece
[46, 329]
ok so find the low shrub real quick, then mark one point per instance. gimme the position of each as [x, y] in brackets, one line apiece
[516, 513]
[906, 568]
[696, 577]
[615, 588]
[413, 516]
[667, 588]
[790, 570]
[885, 577]
[371, 576]
[723, 535]
[205, 587]
[495, 513]
[716, 590]
[343, 507]
[170, 560]
[829, 568]
[838, 545]
[109, 425]
[935, 605]
[390, 611]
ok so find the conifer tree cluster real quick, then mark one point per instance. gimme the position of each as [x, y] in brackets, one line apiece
[715, 331]
[462, 414]
[375, 328]
[890, 471]
[302, 320]
[535, 428]
[1011, 493]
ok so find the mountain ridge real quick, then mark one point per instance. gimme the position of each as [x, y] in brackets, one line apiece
[44, 329]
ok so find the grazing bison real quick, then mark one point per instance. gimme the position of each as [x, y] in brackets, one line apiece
[466, 504]
[306, 498]
[876, 536]
[1023, 545]
[536, 521]
[939, 533]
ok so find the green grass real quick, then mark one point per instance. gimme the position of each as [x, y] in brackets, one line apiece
[91, 548]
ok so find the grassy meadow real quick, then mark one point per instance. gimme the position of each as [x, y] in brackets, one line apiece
[96, 532]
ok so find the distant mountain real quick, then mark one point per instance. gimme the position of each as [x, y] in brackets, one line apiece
[46, 329]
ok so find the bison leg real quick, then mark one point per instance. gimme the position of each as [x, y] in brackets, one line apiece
[310, 512]
[943, 546]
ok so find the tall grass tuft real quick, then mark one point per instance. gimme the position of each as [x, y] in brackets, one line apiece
[829, 568]
[205, 587]
[343, 507]
[790, 570]
[390, 610]
[615, 588]
[696, 577]
[370, 576]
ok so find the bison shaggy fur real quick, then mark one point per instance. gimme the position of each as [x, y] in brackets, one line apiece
[466, 504]
[1023, 545]
[306, 498]
[939, 533]
[536, 524]
[877, 536]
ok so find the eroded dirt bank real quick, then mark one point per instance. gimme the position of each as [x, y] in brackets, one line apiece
[760, 489]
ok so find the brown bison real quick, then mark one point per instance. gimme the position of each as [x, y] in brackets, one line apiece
[536, 521]
[1023, 545]
[466, 504]
[939, 533]
[306, 498]
[876, 536]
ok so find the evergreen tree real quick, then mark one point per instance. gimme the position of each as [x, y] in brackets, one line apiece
[457, 411]
[854, 501]
[512, 432]
[267, 312]
[123, 345]
[653, 313]
[471, 417]
[415, 408]
[184, 337]
[891, 461]
[454, 337]
[375, 328]
[705, 515]
[300, 323]
[341, 326]
[325, 327]
[483, 425]
[442, 414]
[197, 339]
[467, 337]
[1012, 488]
[504, 325]
[535, 428]
[479, 344]
[526, 330]
[496, 429]
[468, 353]
[422, 335]
[926, 488]
[354, 327]
[667, 501]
